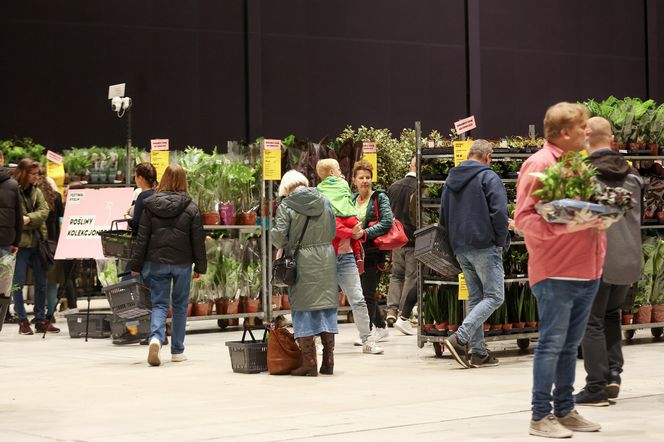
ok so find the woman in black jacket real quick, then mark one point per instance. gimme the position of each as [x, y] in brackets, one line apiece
[170, 238]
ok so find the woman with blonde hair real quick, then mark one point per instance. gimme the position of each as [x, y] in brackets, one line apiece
[170, 239]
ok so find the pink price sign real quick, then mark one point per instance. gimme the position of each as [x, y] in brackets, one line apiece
[87, 212]
[465, 125]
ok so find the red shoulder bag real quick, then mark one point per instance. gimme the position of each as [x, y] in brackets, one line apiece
[395, 238]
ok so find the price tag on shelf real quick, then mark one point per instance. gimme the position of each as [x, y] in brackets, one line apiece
[159, 156]
[463, 288]
[461, 149]
[272, 160]
[57, 172]
[370, 154]
[464, 125]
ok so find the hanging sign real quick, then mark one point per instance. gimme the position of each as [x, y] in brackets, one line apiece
[272, 160]
[463, 288]
[465, 125]
[370, 154]
[88, 211]
[461, 149]
[159, 156]
[55, 169]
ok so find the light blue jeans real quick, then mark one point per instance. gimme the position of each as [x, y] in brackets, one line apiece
[485, 277]
[159, 277]
[348, 278]
[563, 308]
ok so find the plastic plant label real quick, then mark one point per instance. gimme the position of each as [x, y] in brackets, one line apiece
[272, 160]
[369, 154]
[463, 288]
[461, 149]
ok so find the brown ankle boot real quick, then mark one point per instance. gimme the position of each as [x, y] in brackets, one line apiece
[309, 366]
[327, 366]
[24, 328]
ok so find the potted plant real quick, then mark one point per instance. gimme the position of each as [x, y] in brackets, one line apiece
[440, 314]
[252, 284]
[428, 316]
[242, 186]
[201, 298]
[530, 309]
[202, 179]
[453, 313]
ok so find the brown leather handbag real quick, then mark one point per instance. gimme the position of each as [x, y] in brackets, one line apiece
[283, 353]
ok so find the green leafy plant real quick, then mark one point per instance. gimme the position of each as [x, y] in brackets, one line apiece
[571, 177]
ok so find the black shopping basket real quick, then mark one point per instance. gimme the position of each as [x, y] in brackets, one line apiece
[117, 243]
[248, 357]
[129, 299]
[432, 248]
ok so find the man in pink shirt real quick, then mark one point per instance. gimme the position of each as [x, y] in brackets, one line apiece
[564, 268]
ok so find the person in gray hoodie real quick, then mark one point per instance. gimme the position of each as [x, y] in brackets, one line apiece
[474, 210]
[601, 345]
[314, 297]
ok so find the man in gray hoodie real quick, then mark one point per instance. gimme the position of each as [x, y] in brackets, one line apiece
[602, 353]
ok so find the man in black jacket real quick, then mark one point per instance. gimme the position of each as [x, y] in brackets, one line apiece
[402, 294]
[602, 352]
[474, 211]
[11, 214]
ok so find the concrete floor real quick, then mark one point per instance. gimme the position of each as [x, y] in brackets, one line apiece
[66, 389]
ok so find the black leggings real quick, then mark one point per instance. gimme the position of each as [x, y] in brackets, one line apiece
[370, 279]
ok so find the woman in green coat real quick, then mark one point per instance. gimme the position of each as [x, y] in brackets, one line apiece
[314, 297]
[35, 210]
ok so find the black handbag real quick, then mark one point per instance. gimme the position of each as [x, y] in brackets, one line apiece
[284, 269]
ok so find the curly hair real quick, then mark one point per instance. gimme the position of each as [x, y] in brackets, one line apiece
[47, 190]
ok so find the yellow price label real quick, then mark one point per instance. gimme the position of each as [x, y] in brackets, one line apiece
[160, 160]
[463, 288]
[57, 172]
[461, 149]
[370, 154]
[272, 160]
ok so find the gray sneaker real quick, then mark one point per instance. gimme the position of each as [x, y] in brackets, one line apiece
[487, 360]
[549, 426]
[575, 422]
[459, 351]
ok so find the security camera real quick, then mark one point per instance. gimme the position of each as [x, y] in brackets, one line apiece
[116, 104]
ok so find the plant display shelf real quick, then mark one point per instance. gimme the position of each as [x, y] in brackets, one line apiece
[105, 186]
[234, 227]
[432, 281]
[496, 155]
[522, 340]
[656, 329]
[652, 226]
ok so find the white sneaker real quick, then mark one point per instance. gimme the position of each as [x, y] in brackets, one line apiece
[371, 347]
[404, 326]
[380, 334]
[357, 342]
[179, 357]
[153, 352]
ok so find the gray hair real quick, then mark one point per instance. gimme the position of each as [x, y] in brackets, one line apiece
[290, 181]
[480, 148]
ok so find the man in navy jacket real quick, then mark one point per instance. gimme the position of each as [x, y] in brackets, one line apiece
[474, 211]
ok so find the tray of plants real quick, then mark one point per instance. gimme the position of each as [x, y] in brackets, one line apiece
[570, 193]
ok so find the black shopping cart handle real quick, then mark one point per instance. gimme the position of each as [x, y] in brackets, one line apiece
[116, 221]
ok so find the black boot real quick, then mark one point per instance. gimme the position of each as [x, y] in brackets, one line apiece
[327, 366]
[309, 365]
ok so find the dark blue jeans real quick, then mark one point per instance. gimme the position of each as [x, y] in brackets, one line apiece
[563, 307]
[159, 278]
[29, 256]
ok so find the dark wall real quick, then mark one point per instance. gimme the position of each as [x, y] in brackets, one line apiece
[534, 54]
[205, 71]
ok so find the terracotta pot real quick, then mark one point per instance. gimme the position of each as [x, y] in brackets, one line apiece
[496, 326]
[649, 214]
[441, 326]
[636, 146]
[378, 295]
[233, 307]
[211, 218]
[343, 301]
[251, 305]
[507, 326]
[486, 327]
[644, 315]
[276, 302]
[190, 306]
[202, 309]
[532, 324]
[657, 313]
[427, 327]
[519, 325]
[221, 306]
[453, 327]
[227, 214]
[659, 215]
[654, 149]
[246, 218]
[627, 319]
[285, 303]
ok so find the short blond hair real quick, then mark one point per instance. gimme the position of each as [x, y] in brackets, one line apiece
[561, 116]
[291, 181]
[324, 167]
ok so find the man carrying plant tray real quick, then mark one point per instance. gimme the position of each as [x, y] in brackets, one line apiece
[564, 269]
